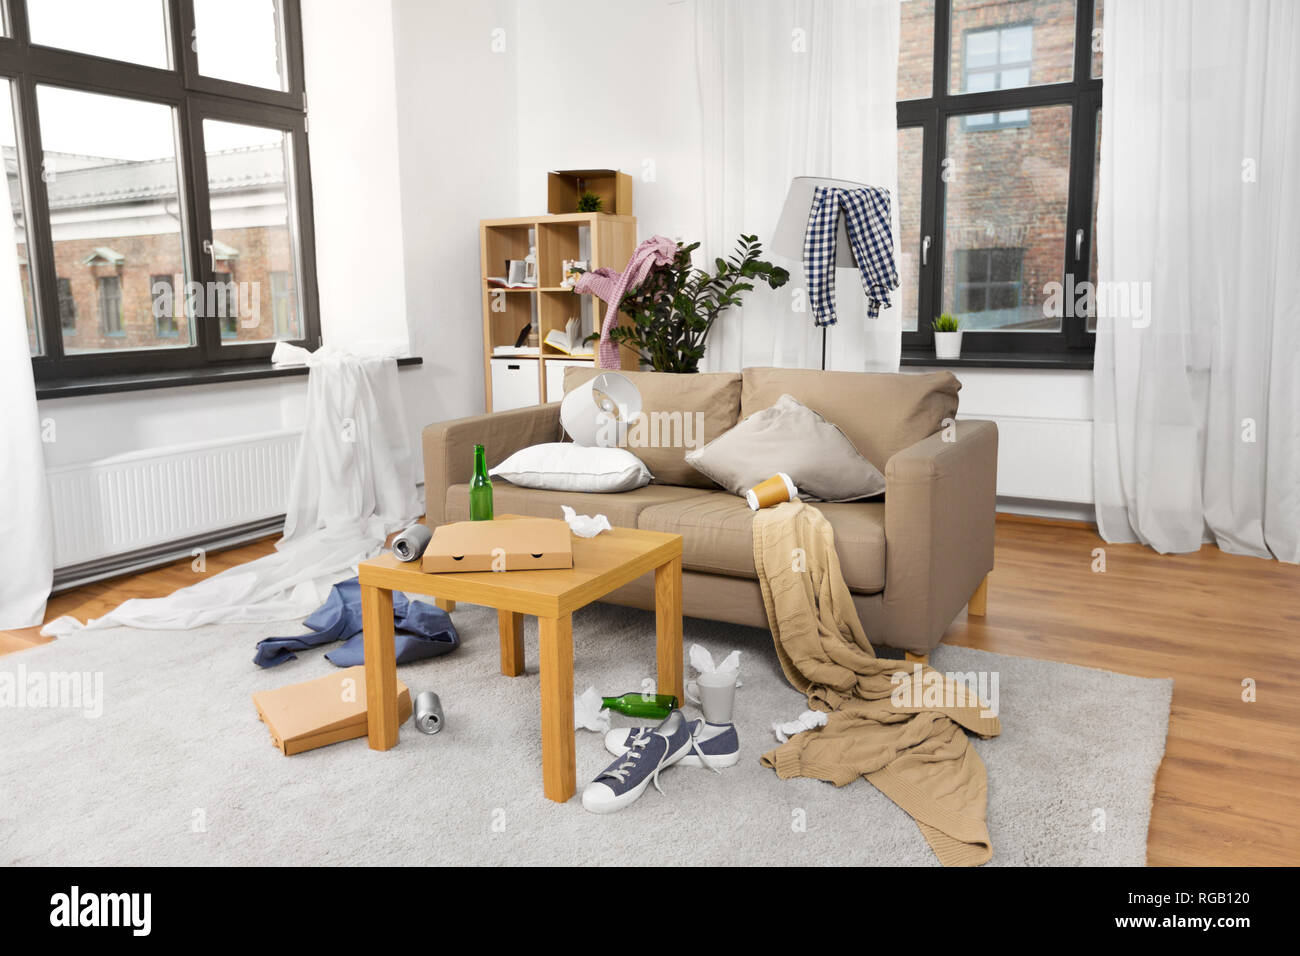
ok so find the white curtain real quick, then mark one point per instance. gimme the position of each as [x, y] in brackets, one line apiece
[804, 88]
[26, 529]
[1197, 396]
[354, 483]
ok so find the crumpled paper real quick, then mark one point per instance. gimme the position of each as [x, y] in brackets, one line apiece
[808, 720]
[585, 526]
[702, 661]
[588, 711]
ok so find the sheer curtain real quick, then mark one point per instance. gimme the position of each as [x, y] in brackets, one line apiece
[27, 557]
[1197, 401]
[787, 89]
[26, 528]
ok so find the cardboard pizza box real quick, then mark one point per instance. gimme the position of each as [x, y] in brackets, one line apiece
[322, 711]
[506, 544]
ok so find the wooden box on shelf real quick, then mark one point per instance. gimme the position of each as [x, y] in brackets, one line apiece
[601, 239]
[564, 186]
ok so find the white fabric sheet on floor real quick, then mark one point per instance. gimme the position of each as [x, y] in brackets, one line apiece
[354, 483]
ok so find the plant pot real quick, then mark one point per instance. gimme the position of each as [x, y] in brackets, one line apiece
[947, 345]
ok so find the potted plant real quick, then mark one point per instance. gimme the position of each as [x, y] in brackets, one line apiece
[674, 309]
[590, 202]
[947, 336]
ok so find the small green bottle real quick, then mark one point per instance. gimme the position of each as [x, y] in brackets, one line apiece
[657, 706]
[480, 489]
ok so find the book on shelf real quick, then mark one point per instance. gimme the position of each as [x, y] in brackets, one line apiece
[501, 282]
[569, 340]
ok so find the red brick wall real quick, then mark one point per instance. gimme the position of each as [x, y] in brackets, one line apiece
[1008, 188]
[262, 250]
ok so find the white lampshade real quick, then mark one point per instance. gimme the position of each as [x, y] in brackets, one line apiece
[588, 407]
[787, 241]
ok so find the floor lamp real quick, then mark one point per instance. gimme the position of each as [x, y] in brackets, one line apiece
[790, 228]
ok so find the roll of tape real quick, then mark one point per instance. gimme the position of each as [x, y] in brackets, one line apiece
[410, 544]
[428, 712]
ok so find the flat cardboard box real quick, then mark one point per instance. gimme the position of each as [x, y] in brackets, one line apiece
[506, 544]
[322, 711]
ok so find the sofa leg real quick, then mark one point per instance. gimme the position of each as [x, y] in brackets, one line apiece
[916, 658]
[979, 601]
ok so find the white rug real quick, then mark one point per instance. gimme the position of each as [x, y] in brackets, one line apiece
[179, 770]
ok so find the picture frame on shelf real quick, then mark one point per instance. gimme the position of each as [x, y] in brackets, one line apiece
[570, 269]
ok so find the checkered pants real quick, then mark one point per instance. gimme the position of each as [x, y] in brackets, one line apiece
[866, 214]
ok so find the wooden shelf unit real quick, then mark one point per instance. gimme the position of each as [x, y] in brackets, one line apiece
[608, 241]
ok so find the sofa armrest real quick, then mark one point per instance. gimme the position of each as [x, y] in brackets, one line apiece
[449, 448]
[940, 509]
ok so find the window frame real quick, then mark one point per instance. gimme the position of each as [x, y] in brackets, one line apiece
[1083, 94]
[193, 98]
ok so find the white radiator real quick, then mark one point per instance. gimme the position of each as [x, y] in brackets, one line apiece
[143, 499]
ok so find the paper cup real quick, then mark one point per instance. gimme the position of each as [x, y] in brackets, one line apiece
[771, 491]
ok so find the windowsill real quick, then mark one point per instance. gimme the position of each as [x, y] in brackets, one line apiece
[1061, 360]
[176, 378]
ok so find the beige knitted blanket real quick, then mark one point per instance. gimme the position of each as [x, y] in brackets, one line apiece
[917, 755]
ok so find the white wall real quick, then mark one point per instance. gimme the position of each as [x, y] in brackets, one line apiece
[457, 135]
[1044, 421]
[357, 197]
[622, 95]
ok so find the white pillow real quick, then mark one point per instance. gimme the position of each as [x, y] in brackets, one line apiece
[564, 466]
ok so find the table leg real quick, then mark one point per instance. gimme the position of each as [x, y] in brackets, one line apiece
[559, 766]
[668, 624]
[445, 604]
[381, 667]
[511, 627]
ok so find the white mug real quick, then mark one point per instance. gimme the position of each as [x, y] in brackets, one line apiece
[715, 693]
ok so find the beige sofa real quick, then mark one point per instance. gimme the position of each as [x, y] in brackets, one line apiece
[912, 558]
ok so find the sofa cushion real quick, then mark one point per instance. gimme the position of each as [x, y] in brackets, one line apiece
[881, 412]
[621, 509]
[718, 536]
[789, 438]
[681, 412]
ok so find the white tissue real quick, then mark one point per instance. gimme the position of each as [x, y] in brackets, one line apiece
[808, 720]
[589, 713]
[702, 661]
[585, 526]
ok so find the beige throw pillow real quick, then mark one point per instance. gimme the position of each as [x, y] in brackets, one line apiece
[792, 438]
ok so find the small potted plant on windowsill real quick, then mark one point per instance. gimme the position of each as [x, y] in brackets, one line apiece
[947, 336]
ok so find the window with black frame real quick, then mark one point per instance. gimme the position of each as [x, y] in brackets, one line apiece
[156, 162]
[999, 130]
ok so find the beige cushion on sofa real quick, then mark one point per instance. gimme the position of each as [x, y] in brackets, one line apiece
[718, 536]
[670, 402]
[789, 437]
[882, 413]
[621, 509]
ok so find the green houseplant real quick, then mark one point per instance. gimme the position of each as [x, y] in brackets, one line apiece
[947, 336]
[590, 202]
[674, 309]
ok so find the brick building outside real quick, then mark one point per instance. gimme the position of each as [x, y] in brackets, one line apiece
[1006, 192]
[119, 260]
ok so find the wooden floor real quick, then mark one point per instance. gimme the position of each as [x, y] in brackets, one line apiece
[1228, 792]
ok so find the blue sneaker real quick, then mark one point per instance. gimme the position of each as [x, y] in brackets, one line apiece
[716, 745]
[650, 751]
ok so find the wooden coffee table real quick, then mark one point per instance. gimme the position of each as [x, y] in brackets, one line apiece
[600, 565]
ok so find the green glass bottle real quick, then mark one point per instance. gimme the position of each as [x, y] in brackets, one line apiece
[480, 488]
[657, 706]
